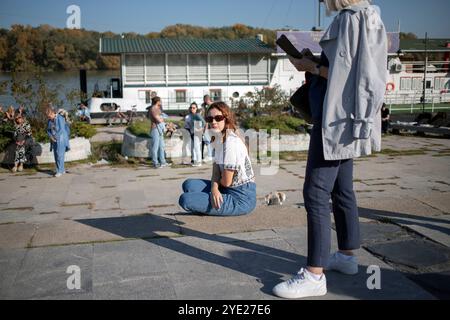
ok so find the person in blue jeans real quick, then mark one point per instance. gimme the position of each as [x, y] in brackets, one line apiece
[232, 189]
[157, 134]
[59, 134]
[345, 96]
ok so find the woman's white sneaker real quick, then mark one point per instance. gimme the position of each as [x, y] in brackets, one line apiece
[301, 285]
[342, 263]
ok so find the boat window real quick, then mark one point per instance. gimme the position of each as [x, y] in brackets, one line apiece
[219, 67]
[155, 67]
[134, 68]
[405, 83]
[215, 94]
[180, 96]
[258, 67]
[177, 67]
[417, 84]
[239, 67]
[439, 83]
[108, 107]
[198, 67]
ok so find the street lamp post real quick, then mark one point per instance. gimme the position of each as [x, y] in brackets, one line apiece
[425, 73]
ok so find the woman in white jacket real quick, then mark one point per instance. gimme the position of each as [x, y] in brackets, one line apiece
[346, 96]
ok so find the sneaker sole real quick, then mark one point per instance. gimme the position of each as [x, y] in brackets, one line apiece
[292, 296]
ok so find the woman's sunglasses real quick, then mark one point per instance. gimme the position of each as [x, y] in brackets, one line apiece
[218, 118]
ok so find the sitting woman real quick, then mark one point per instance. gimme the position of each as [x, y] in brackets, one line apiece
[232, 189]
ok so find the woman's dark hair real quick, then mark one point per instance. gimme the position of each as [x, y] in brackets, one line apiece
[230, 120]
[155, 100]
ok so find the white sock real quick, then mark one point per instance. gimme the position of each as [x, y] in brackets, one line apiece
[345, 257]
[316, 277]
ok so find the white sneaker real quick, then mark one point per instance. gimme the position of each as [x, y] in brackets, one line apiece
[58, 175]
[166, 165]
[208, 160]
[197, 165]
[301, 285]
[342, 263]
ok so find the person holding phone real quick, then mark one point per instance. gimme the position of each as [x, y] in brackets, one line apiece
[232, 189]
[345, 96]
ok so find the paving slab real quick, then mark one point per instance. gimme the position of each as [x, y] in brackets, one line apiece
[437, 283]
[63, 232]
[438, 201]
[156, 287]
[121, 261]
[374, 232]
[414, 253]
[395, 208]
[263, 218]
[17, 235]
[10, 264]
[44, 272]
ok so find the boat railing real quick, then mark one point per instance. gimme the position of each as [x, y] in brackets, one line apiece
[413, 102]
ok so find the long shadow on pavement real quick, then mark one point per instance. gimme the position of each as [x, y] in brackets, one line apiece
[265, 263]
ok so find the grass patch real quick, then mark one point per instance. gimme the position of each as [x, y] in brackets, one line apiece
[18, 209]
[406, 152]
[293, 155]
[161, 206]
[67, 205]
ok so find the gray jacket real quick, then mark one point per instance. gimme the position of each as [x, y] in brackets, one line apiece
[356, 47]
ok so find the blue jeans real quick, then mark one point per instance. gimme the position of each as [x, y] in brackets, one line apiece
[236, 201]
[158, 146]
[325, 181]
[59, 152]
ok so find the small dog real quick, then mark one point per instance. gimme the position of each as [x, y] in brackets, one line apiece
[275, 198]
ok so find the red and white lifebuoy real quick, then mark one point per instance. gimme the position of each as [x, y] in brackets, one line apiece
[390, 86]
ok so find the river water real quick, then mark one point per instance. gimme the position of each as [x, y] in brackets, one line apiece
[68, 80]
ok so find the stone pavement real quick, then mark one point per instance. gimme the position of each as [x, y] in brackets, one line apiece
[123, 228]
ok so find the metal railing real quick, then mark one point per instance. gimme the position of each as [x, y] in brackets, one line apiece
[412, 102]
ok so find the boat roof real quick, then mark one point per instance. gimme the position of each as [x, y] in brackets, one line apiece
[114, 46]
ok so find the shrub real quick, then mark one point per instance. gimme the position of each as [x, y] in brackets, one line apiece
[6, 134]
[109, 151]
[82, 129]
[285, 123]
[141, 128]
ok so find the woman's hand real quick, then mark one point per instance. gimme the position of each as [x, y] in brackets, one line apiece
[304, 64]
[307, 63]
[216, 198]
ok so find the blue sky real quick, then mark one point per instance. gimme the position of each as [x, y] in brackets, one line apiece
[417, 16]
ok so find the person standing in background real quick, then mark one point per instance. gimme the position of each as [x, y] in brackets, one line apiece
[385, 118]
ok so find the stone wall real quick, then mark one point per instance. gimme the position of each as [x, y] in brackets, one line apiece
[80, 149]
[140, 147]
[39, 153]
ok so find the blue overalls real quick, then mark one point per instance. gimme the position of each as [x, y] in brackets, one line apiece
[59, 130]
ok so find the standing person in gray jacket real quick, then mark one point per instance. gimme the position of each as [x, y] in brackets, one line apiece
[346, 95]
